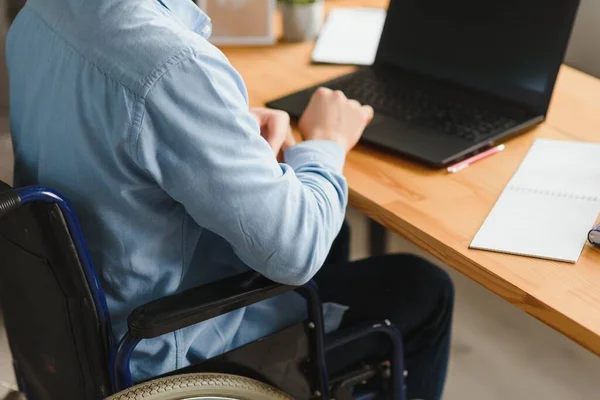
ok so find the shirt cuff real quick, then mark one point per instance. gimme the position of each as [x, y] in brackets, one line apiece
[325, 152]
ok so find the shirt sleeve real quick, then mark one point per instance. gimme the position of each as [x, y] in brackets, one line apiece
[200, 143]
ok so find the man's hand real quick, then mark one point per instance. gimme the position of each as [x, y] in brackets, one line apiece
[275, 129]
[331, 116]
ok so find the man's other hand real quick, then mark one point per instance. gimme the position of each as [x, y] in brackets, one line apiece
[275, 129]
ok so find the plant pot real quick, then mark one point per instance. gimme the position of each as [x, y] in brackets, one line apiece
[302, 21]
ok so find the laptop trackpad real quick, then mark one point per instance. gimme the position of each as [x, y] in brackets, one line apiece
[431, 147]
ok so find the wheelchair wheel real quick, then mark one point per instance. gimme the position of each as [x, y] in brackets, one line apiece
[202, 386]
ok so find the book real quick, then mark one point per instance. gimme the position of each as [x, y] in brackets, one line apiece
[549, 205]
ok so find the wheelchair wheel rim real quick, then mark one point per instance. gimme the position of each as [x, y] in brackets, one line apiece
[208, 398]
[202, 386]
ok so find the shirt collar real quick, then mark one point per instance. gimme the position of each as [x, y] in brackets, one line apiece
[190, 15]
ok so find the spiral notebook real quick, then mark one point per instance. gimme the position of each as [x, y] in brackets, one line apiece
[549, 205]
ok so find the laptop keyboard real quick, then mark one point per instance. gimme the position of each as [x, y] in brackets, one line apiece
[443, 110]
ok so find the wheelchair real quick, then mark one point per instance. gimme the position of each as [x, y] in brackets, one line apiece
[59, 329]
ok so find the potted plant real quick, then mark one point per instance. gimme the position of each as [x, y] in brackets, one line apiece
[302, 19]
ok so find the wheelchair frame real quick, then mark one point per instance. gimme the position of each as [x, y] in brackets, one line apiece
[119, 356]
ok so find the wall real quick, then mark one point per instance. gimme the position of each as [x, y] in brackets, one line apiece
[584, 50]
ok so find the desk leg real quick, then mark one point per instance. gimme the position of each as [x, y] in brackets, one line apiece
[378, 236]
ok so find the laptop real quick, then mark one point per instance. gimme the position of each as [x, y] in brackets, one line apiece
[453, 78]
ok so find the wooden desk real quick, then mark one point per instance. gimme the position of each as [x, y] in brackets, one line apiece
[441, 213]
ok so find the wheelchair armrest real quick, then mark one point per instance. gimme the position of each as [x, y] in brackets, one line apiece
[200, 304]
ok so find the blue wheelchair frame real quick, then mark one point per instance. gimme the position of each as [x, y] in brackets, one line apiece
[120, 356]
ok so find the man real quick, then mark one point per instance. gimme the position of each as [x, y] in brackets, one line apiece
[125, 108]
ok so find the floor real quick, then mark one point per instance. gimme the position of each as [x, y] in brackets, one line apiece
[498, 352]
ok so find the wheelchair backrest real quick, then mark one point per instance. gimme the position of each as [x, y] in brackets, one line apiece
[59, 338]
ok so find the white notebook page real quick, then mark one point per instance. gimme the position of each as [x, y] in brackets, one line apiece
[350, 36]
[549, 205]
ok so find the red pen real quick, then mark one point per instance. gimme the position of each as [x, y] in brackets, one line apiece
[465, 163]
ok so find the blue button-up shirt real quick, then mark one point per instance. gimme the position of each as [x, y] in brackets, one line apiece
[128, 110]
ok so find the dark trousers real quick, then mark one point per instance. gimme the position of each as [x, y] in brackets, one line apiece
[416, 296]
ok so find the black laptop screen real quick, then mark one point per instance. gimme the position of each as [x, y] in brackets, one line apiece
[510, 48]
